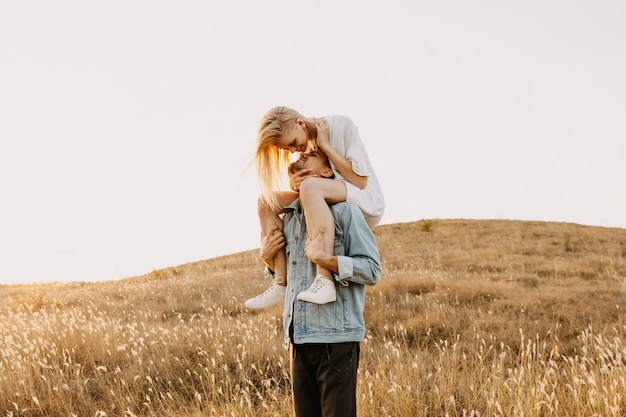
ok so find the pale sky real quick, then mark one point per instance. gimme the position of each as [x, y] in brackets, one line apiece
[127, 127]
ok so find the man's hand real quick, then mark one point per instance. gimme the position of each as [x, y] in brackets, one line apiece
[314, 248]
[271, 243]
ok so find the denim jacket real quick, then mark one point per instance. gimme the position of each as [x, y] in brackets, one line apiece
[359, 265]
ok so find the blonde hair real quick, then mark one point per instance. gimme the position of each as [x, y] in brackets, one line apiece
[272, 162]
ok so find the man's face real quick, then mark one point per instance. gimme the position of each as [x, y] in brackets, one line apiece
[314, 160]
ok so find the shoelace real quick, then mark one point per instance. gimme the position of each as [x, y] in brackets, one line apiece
[317, 285]
[267, 291]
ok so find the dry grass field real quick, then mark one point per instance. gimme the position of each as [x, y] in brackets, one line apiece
[471, 318]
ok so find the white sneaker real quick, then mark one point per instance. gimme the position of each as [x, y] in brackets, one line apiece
[322, 291]
[275, 294]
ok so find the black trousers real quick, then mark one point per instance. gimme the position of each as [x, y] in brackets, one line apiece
[323, 379]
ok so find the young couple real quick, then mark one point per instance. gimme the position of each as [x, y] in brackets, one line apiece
[319, 246]
[350, 178]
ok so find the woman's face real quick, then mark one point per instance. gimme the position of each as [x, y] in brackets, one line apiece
[296, 140]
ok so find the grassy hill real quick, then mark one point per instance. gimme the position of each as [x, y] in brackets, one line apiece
[471, 317]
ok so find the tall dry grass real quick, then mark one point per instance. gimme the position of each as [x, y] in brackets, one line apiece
[472, 318]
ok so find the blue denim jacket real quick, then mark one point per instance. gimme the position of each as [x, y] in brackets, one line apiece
[359, 265]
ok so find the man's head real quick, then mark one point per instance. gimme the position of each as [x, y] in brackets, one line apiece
[316, 161]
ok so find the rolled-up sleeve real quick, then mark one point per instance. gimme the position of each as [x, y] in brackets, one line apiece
[346, 269]
[361, 262]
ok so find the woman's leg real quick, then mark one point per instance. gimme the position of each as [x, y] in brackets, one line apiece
[269, 218]
[315, 196]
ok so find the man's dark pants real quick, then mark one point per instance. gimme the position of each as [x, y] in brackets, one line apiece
[323, 378]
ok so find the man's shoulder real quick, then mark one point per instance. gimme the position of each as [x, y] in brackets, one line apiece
[345, 208]
[345, 204]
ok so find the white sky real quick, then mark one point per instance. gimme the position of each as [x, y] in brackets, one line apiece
[127, 127]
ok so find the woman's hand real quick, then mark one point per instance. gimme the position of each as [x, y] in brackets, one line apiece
[296, 178]
[271, 243]
[323, 134]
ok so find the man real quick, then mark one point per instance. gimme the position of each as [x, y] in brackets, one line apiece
[324, 339]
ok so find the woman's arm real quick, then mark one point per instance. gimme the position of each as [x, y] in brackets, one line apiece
[340, 163]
